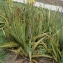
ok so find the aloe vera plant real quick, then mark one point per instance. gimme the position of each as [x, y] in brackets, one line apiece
[29, 29]
[20, 31]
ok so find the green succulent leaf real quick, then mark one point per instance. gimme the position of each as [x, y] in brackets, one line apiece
[9, 45]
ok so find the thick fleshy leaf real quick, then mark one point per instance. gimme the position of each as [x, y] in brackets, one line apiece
[9, 45]
[37, 43]
[39, 36]
[48, 56]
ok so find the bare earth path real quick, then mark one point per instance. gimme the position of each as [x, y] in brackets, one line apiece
[55, 2]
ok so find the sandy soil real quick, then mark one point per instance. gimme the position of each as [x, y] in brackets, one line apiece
[9, 58]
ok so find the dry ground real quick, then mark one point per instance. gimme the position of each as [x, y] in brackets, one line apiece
[55, 2]
[9, 58]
